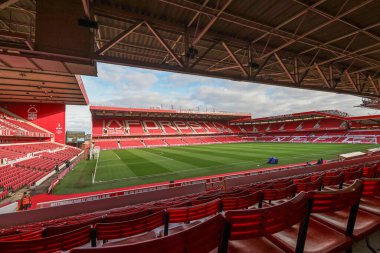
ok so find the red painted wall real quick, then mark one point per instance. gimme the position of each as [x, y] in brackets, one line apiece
[51, 117]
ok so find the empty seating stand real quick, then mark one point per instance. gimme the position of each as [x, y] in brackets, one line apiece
[31, 162]
[313, 220]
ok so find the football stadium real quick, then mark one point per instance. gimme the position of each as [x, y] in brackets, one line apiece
[92, 159]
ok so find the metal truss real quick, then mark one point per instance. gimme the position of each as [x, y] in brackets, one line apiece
[275, 56]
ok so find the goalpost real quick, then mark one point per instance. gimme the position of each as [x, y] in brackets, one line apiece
[94, 153]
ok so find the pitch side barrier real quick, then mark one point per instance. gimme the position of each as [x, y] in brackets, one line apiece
[295, 171]
[226, 180]
[87, 205]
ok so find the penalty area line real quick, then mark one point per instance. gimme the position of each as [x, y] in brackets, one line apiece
[117, 155]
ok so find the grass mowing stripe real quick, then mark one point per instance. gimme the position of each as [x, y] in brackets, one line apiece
[140, 166]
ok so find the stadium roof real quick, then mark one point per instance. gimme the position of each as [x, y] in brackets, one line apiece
[367, 120]
[41, 86]
[326, 45]
[162, 113]
[297, 116]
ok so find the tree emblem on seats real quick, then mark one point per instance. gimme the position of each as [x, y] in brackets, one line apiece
[58, 129]
[32, 112]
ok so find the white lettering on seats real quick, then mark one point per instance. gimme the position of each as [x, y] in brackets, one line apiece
[151, 126]
[114, 127]
[133, 127]
[168, 126]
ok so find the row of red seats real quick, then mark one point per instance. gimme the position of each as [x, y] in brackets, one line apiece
[369, 171]
[39, 163]
[285, 226]
[162, 142]
[3, 194]
[61, 155]
[127, 127]
[15, 178]
[31, 147]
[10, 154]
[27, 172]
[329, 178]
[16, 127]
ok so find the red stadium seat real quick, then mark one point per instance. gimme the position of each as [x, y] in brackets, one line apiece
[247, 229]
[370, 200]
[243, 202]
[321, 237]
[55, 243]
[202, 238]
[190, 213]
[309, 186]
[345, 209]
[30, 235]
[115, 230]
[333, 180]
[279, 195]
[60, 229]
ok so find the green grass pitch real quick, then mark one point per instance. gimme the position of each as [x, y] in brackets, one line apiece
[120, 168]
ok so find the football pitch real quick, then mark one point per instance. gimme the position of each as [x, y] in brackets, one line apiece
[128, 167]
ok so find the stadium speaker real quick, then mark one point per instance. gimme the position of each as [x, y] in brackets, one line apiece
[87, 23]
[191, 53]
[254, 65]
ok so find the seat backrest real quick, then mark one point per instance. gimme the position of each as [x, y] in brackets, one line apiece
[23, 236]
[282, 183]
[60, 229]
[369, 171]
[351, 175]
[246, 224]
[331, 201]
[309, 186]
[114, 230]
[201, 238]
[281, 193]
[333, 180]
[371, 187]
[189, 213]
[243, 202]
[55, 243]
[304, 179]
[109, 218]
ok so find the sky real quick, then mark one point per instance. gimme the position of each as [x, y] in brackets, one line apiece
[134, 87]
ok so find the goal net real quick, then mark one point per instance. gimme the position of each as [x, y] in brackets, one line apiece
[94, 154]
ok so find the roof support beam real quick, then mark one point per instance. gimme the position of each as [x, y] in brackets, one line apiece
[164, 44]
[212, 21]
[176, 69]
[284, 68]
[7, 3]
[342, 56]
[341, 37]
[322, 75]
[236, 60]
[117, 39]
[318, 27]
[365, 69]
[262, 65]
[374, 85]
[204, 54]
[351, 81]
[187, 33]
[329, 16]
[86, 8]
[299, 14]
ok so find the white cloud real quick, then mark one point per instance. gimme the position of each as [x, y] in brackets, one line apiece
[132, 87]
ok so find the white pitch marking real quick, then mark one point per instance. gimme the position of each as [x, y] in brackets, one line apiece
[117, 155]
